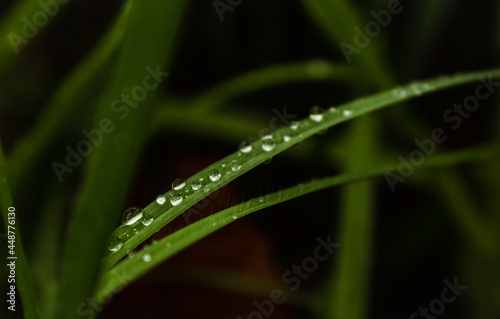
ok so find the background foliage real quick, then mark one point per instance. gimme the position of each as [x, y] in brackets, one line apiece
[227, 81]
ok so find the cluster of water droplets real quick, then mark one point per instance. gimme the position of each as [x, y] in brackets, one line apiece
[182, 189]
[415, 88]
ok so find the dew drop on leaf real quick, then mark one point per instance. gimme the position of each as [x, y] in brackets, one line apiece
[161, 199]
[268, 144]
[196, 185]
[178, 184]
[146, 258]
[235, 165]
[316, 113]
[347, 113]
[288, 135]
[175, 199]
[214, 175]
[131, 215]
[115, 244]
[245, 147]
[147, 219]
[399, 93]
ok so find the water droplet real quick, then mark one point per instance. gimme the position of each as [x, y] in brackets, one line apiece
[146, 258]
[268, 144]
[169, 245]
[131, 215]
[131, 254]
[175, 199]
[294, 125]
[214, 175]
[135, 231]
[147, 219]
[288, 135]
[399, 93]
[160, 199]
[261, 199]
[427, 87]
[196, 185]
[214, 224]
[245, 147]
[235, 217]
[223, 165]
[115, 244]
[347, 112]
[178, 184]
[268, 161]
[266, 133]
[235, 165]
[316, 113]
[155, 241]
[416, 89]
[332, 109]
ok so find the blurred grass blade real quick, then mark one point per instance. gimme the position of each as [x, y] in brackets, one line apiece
[338, 20]
[163, 214]
[147, 45]
[348, 290]
[468, 214]
[65, 104]
[131, 269]
[46, 250]
[23, 277]
[273, 76]
[426, 26]
[11, 30]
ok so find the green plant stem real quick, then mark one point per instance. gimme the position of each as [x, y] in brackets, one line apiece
[307, 128]
[130, 269]
[23, 282]
[105, 186]
[65, 104]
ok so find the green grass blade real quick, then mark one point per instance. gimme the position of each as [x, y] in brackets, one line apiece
[11, 30]
[163, 214]
[273, 76]
[46, 252]
[23, 277]
[130, 269]
[467, 213]
[65, 104]
[337, 19]
[349, 287]
[427, 25]
[111, 163]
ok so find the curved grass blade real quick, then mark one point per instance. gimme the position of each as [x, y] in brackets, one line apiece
[338, 20]
[131, 269]
[13, 40]
[23, 277]
[133, 235]
[272, 76]
[65, 104]
[147, 46]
